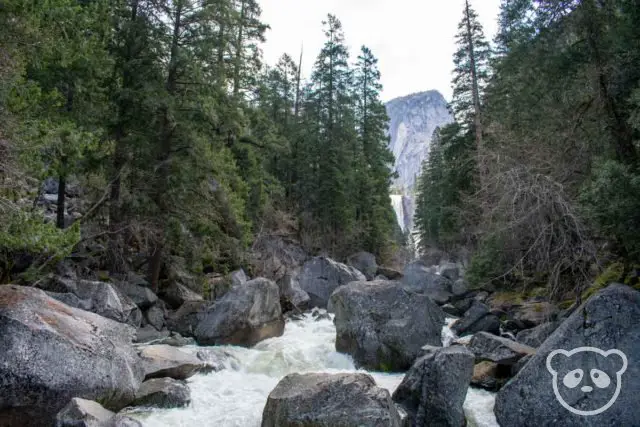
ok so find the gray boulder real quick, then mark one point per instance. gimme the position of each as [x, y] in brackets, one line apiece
[499, 350]
[185, 320]
[534, 337]
[608, 321]
[365, 263]
[51, 353]
[163, 360]
[87, 413]
[163, 393]
[148, 334]
[321, 276]
[141, 296]
[534, 313]
[389, 273]
[176, 294]
[433, 391]
[245, 316]
[459, 287]
[325, 400]
[420, 278]
[477, 318]
[155, 316]
[383, 326]
[98, 297]
[291, 293]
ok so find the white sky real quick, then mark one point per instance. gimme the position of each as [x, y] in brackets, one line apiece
[413, 39]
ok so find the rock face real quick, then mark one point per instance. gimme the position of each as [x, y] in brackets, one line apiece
[321, 276]
[384, 326]
[51, 353]
[365, 263]
[163, 393]
[413, 119]
[420, 278]
[610, 322]
[87, 413]
[163, 360]
[433, 391]
[325, 400]
[499, 350]
[245, 316]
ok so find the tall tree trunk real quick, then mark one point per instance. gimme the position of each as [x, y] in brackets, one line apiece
[238, 58]
[62, 187]
[296, 108]
[476, 94]
[166, 139]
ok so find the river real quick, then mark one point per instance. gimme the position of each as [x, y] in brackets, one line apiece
[235, 396]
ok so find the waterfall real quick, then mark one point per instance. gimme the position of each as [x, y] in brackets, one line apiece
[398, 208]
[235, 396]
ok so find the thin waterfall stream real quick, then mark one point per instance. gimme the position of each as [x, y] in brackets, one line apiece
[236, 395]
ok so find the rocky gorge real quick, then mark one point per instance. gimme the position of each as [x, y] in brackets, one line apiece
[422, 349]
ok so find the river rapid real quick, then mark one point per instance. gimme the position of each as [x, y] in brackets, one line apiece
[235, 396]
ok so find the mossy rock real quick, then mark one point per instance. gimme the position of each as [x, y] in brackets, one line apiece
[614, 273]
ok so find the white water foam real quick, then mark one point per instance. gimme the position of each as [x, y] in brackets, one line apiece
[235, 396]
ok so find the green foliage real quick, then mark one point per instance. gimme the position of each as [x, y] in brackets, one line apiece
[486, 264]
[611, 200]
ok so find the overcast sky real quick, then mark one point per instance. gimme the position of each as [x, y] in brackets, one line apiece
[413, 39]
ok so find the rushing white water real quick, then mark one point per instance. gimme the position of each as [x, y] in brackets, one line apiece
[398, 207]
[235, 396]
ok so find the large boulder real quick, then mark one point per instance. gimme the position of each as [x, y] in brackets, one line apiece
[534, 337]
[185, 320]
[384, 326]
[534, 313]
[245, 316]
[291, 295]
[389, 273]
[325, 400]
[98, 297]
[155, 315]
[238, 277]
[433, 391]
[586, 373]
[176, 294]
[163, 360]
[321, 276]
[141, 296]
[87, 413]
[477, 318]
[274, 256]
[365, 263]
[163, 393]
[420, 278]
[502, 351]
[51, 353]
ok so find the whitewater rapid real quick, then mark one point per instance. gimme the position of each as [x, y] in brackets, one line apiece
[235, 396]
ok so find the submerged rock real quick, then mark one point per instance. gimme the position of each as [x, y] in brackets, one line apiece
[433, 391]
[321, 276]
[384, 326]
[326, 400]
[245, 316]
[163, 393]
[608, 325]
[51, 353]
